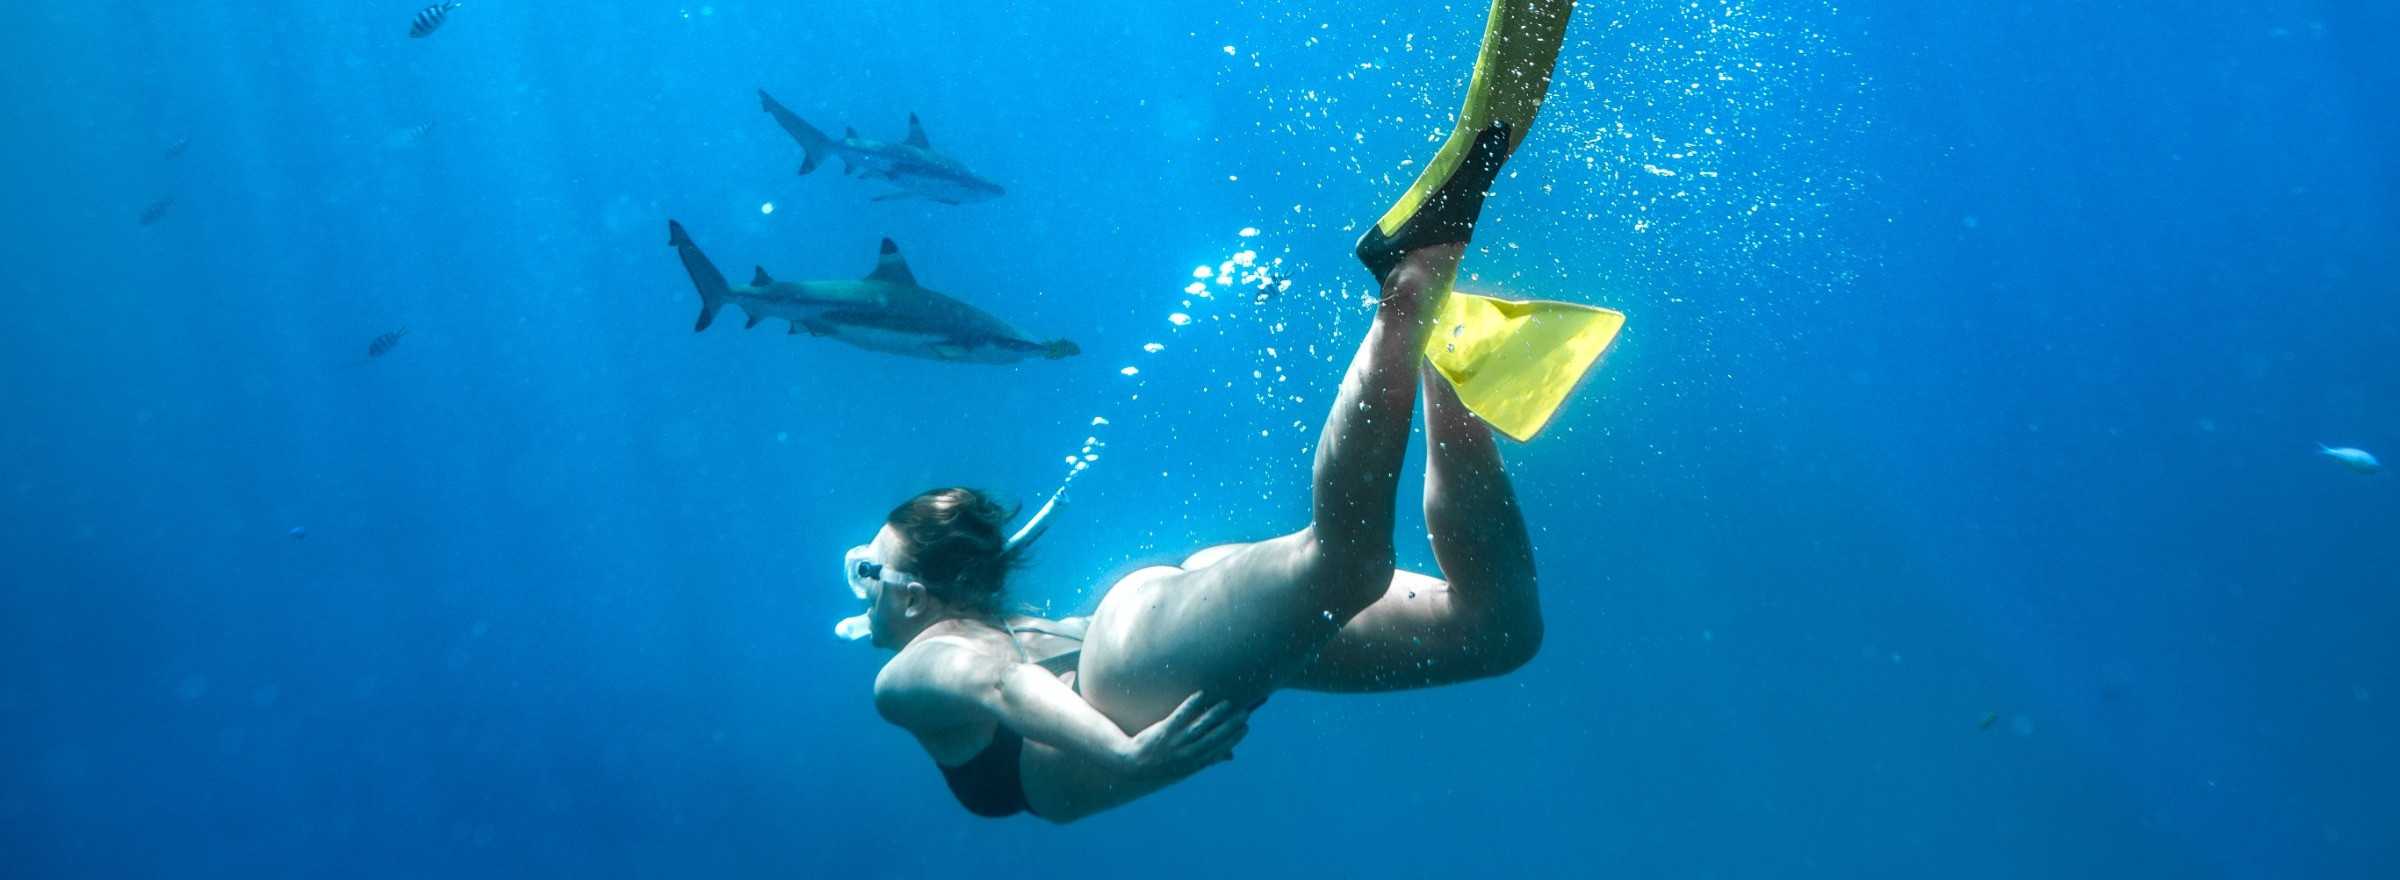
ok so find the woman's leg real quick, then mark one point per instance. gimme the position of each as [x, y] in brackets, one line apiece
[1246, 619]
[1484, 617]
[1355, 485]
[1249, 622]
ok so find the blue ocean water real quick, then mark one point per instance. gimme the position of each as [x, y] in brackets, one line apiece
[1950, 507]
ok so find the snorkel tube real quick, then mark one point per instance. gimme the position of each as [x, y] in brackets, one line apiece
[857, 627]
[1038, 524]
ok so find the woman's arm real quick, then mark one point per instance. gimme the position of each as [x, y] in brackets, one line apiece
[941, 683]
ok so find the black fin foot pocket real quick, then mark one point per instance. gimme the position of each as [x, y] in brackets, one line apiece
[1448, 215]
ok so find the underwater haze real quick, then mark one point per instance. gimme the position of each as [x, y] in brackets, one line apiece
[1950, 507]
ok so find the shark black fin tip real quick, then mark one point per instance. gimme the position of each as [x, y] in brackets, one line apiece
[889, 247]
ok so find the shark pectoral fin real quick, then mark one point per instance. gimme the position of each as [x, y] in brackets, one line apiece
[916, 134]
[848, 168]
[891, 268]
[817, 328]
[753, 322]
[794, 331]
[759, 277]
[894, 197]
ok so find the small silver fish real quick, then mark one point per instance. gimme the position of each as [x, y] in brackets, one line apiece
[385, 343]
[2355, 459]
[429, 19]
[156, 210]
[175, 150]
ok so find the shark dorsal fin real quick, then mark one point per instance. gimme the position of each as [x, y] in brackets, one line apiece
[891, 268]
[849, 132]
[916, 134]
[760, 279]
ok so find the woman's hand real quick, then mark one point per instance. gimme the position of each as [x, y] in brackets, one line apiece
[1186, 741]
[938, 684]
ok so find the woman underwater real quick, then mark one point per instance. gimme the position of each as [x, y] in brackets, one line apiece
[1064, 719]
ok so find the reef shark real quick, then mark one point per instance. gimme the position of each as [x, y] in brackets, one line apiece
[886, 311]
[912, 165]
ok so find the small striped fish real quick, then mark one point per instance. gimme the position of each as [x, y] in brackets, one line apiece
[429, 19]
[417, 134]
[385, 343]
[156, 210]
[176, 149]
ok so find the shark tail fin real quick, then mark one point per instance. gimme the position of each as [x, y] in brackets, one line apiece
[714, 293]
[1059, 348]
[813, 143]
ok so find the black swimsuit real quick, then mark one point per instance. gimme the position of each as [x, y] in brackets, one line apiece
[992, 783]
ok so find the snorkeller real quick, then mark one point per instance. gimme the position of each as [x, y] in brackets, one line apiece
[1067, 718]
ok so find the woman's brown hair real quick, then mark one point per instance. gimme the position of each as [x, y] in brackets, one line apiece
[956, 546]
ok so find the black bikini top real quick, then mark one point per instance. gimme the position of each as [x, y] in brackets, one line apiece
[993, 782]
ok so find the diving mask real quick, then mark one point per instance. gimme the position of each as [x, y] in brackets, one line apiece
[864, 571]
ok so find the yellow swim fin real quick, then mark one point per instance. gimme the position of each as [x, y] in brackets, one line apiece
[1512, 71]
[1512, 362]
